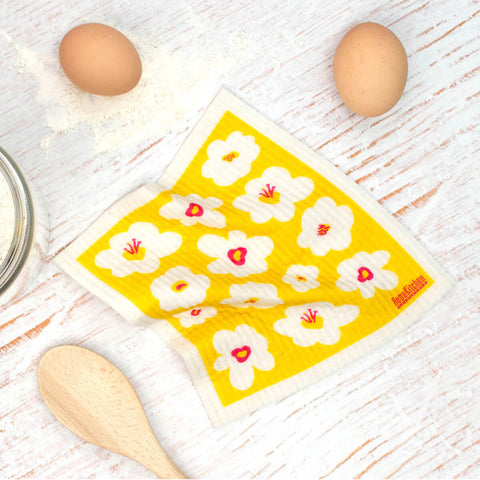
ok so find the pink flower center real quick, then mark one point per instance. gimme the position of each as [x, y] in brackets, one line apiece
[237, 255]
[134, 251]
[309, 316]
[311, 319]
[133, 247]
[194, 210]
[301, 278]
[323, 229]
[269, 195]
[241, 354]
[179, 286]
[364, 274]
[195, 312]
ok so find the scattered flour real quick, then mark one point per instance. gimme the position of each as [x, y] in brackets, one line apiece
[7, 217]
[171, 84]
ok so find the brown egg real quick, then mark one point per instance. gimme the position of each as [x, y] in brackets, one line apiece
[100, 60]
[370, 69]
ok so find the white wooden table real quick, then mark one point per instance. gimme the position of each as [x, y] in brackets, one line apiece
[409, 409]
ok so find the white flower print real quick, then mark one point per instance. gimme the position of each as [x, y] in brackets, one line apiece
[326, 226]
[240, 351]
[239, 255]
[195, 316]
[315, 323]
[138, 250]
[273, 195]
[231, 159]
[180, 287]
[250, 294]
[365, 272]
[193, 209]
[302, 277]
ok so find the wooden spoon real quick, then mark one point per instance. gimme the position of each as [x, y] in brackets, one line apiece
[94, 400]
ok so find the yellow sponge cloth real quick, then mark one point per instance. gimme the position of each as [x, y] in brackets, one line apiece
[256, 259]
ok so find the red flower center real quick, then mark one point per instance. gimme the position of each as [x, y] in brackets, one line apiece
[194, 210]
[134, 251]
[179, 286]
[195, 312]
[241, 354]
[323, 229]
[269, 195]
[237, 255]
[133, 247]
[309, 316]
[311, 319]
[364, 274]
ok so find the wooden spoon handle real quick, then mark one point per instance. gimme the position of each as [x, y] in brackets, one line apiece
[164, 468]
[152, 456]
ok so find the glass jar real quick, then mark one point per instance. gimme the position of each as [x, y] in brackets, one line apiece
[23, 230]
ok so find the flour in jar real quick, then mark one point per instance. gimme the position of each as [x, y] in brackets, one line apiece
[7, 217]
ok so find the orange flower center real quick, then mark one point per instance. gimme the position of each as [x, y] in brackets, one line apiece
[230, 156]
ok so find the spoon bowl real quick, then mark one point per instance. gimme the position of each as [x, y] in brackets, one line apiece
[94, 400]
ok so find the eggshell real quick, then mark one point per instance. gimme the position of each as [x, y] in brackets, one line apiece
[370, 69]
[100, 60]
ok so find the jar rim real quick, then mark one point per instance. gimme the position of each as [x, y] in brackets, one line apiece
[22, 240]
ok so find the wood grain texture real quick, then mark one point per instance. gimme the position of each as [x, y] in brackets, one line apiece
[411, 408]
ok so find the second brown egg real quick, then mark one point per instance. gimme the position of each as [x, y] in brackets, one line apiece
[370, 69]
